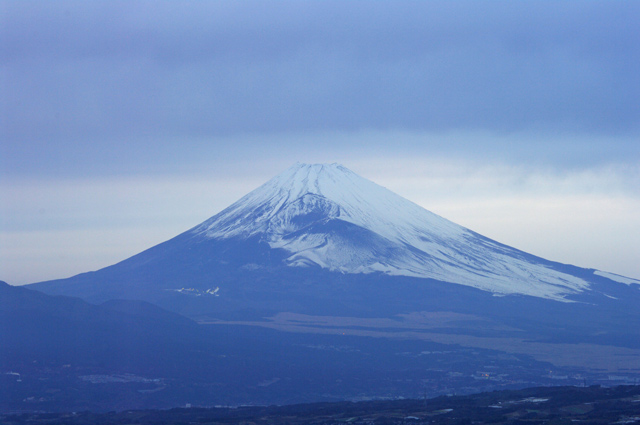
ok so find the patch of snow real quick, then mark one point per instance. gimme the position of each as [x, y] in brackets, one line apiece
[617, 278]
[197, 292]
[628, 420]
[117, 378]
[534, 400]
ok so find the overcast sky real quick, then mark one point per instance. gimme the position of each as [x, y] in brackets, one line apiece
[124, 123]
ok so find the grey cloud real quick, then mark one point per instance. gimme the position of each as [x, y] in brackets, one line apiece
[79, 77]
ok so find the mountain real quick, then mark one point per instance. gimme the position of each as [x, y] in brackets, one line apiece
[321, 241]
[329, 217]
[38, 328]
[54, 350]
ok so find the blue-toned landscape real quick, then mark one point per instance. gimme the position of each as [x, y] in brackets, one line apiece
[319, 212]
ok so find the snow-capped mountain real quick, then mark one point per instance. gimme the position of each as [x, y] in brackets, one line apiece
[322, 217]
[326, 215]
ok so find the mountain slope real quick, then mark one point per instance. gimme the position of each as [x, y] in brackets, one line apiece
[133, 336]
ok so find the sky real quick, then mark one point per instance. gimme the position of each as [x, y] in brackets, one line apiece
[125, 123]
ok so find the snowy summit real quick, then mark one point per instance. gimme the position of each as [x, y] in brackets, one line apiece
[326, 215]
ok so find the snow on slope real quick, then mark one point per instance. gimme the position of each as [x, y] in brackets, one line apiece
[329, 216]
[617, 278]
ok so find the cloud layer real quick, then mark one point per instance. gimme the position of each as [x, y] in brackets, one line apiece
[83, 76]
[503, 106]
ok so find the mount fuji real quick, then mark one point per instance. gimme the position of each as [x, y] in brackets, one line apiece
[321, 241]
[328, 216]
